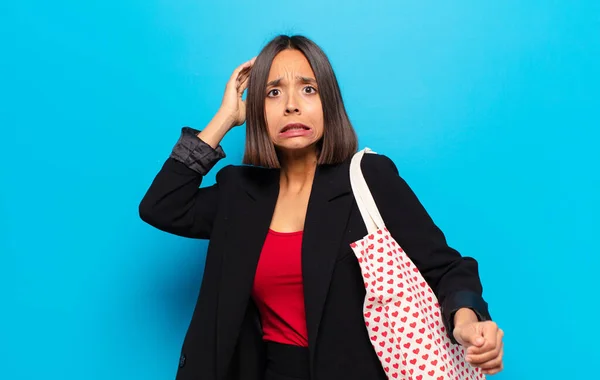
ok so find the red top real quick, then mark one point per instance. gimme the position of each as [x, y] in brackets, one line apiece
[278, 291]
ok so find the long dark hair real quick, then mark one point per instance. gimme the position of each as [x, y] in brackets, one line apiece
[339, 141]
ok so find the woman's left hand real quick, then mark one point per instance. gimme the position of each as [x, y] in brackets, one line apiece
[483, 341]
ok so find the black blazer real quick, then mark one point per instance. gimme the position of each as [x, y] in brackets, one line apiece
[224, 339]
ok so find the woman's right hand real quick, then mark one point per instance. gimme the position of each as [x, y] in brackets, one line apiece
[232, 105]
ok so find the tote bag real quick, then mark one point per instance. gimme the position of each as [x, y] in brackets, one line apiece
[401, 312]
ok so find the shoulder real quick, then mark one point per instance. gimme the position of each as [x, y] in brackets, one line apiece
[377, 165]
[383, 178]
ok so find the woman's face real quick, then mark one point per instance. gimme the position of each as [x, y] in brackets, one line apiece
[293, 108]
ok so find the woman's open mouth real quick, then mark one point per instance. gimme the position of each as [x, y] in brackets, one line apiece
[295, 130]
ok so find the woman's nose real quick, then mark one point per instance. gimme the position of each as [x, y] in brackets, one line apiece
[292, 105]
[291, 109]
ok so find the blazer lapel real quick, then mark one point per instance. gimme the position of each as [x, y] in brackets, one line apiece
[250, 220]
[327, 215]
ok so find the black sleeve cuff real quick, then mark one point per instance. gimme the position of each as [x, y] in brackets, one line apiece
[459, 300]
[195, 153]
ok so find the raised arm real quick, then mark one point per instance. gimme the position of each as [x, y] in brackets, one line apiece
[174, 202]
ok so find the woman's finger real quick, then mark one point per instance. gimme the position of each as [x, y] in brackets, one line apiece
[494, 363]
[242, 86]
[479, 359]
[492, 335]
[493, 371]
[246, 65]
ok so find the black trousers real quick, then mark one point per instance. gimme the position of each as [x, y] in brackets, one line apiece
[286, 362]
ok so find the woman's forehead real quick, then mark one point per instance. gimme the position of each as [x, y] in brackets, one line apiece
[288, 65]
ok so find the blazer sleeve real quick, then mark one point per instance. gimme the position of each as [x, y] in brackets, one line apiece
[174, 202]
[453, 278]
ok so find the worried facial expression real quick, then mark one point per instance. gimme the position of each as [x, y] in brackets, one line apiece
[293, 109]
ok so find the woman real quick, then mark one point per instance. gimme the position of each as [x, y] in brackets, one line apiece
[282, 292]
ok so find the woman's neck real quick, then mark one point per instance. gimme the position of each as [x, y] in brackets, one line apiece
[297, 170]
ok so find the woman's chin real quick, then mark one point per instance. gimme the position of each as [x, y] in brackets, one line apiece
[296, 146]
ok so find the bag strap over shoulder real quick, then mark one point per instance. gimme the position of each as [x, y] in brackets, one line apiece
[362, 194]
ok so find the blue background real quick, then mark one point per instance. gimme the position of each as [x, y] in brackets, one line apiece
[489, 109]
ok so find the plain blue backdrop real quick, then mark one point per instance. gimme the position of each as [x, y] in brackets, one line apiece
[490, 110]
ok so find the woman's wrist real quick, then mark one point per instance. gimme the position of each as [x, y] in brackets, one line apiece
[218, 127]
[464, 316]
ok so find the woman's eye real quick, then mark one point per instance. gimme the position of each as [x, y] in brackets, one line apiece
[311, 88]
[273, 92]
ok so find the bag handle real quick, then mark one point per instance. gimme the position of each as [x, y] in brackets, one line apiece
[362, 194]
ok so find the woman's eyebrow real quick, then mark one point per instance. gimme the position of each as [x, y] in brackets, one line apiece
[277, 82]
